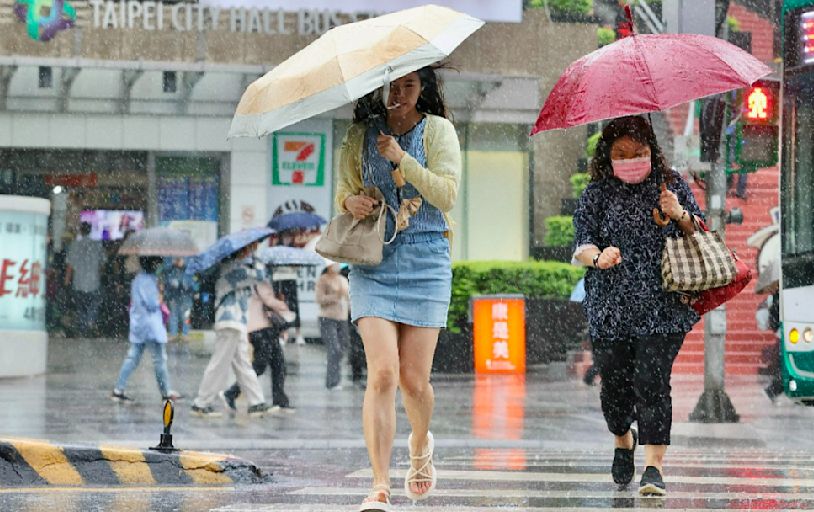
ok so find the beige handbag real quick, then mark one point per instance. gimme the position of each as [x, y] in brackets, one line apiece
[697, 262]
[358, 242]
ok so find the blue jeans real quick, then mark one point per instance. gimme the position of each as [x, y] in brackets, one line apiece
[179, 314]
[133, 358]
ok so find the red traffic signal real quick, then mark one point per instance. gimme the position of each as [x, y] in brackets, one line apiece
[760, 103]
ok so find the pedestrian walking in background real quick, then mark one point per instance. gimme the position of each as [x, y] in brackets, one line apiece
[268, 318]
[285, 282]
[332, 296]
[578, 295]
[233, 289]
[179, 289]
[146, 331]
[768, 319]
[83, 273]
[636, 328]
[356, 353]
[410, 151]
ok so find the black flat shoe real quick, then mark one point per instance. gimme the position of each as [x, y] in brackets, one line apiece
[652, 484]
[624, 466]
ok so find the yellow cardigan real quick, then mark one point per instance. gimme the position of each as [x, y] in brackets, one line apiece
[438, 183]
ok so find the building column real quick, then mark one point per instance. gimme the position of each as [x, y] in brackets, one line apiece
[152, 191]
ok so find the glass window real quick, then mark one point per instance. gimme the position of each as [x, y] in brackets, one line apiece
[798, 181]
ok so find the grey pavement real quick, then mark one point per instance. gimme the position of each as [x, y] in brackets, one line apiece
[511, 443]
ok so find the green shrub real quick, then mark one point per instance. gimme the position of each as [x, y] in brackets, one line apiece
[559, 231]
[579, 181]
[733, 24]
[590, 144]
[533, 279]
[564, 6]
[605, 36]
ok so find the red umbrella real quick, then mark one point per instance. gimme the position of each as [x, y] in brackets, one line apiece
[646, 73]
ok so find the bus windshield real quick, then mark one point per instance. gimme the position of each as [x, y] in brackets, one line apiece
[798, 180]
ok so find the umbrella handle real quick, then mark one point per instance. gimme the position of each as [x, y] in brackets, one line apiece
[386, 85]
[658, 217]
[629, 25]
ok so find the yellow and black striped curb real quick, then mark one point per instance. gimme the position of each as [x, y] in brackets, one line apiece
[29, 462]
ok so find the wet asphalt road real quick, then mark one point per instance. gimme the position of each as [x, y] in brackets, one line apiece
[502, 443]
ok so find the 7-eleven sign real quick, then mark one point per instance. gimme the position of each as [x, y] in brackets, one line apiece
[298, 159]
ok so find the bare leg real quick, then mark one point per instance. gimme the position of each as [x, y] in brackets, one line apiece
[380, 338]
[416, 350]
[654, 456]
[625, 441]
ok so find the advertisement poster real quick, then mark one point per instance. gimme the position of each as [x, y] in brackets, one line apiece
[22, 270]
[183, 197]
[112, 224]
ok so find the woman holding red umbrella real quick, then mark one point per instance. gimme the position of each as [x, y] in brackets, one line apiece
[636, 328]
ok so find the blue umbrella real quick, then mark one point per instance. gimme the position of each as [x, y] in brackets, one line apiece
[296, 220]
[225, 247]
[283, 255]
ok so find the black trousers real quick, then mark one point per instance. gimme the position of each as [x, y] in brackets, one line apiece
[267, 354]
[358, 364]
[636, 384]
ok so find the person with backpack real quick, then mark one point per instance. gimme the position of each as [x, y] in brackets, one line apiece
[268, 318]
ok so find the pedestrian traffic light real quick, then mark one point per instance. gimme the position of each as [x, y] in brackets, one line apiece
[758, 130]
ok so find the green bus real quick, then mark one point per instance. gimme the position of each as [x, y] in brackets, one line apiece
[797, 201]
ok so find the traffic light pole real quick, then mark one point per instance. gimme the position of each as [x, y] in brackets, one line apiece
[714, 405]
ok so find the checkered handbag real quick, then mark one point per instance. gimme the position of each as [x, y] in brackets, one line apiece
[696, 262]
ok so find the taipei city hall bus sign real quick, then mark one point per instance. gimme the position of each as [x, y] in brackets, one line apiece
[45, 18]
[187, 17]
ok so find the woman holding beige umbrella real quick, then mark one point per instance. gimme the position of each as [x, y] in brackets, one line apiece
[410, 151]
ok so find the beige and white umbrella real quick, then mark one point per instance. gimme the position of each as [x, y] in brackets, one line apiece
[348, 62]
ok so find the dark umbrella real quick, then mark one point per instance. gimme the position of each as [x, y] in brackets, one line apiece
[296, 220]
[160, 241]
[225, 247]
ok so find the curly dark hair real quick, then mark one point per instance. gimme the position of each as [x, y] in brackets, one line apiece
[150, 264]
[431, 100]
[638, 129]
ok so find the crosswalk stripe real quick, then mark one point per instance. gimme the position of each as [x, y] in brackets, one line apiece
[535, 493]
[744, 479]
[294, 507]
[671, 457]
[603, 465]
[504, 476]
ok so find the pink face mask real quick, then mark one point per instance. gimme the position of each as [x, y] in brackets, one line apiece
[631, 170]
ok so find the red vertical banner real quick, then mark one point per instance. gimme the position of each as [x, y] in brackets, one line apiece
[499, 332]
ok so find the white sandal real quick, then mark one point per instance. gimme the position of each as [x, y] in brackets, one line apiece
[372, 503]
[426, 473]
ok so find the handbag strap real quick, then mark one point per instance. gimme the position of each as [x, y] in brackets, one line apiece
[385, 207]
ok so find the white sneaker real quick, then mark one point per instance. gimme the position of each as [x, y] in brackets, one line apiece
[300, 340]
[338, 387]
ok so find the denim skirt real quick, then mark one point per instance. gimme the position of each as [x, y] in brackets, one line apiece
[412, 284]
